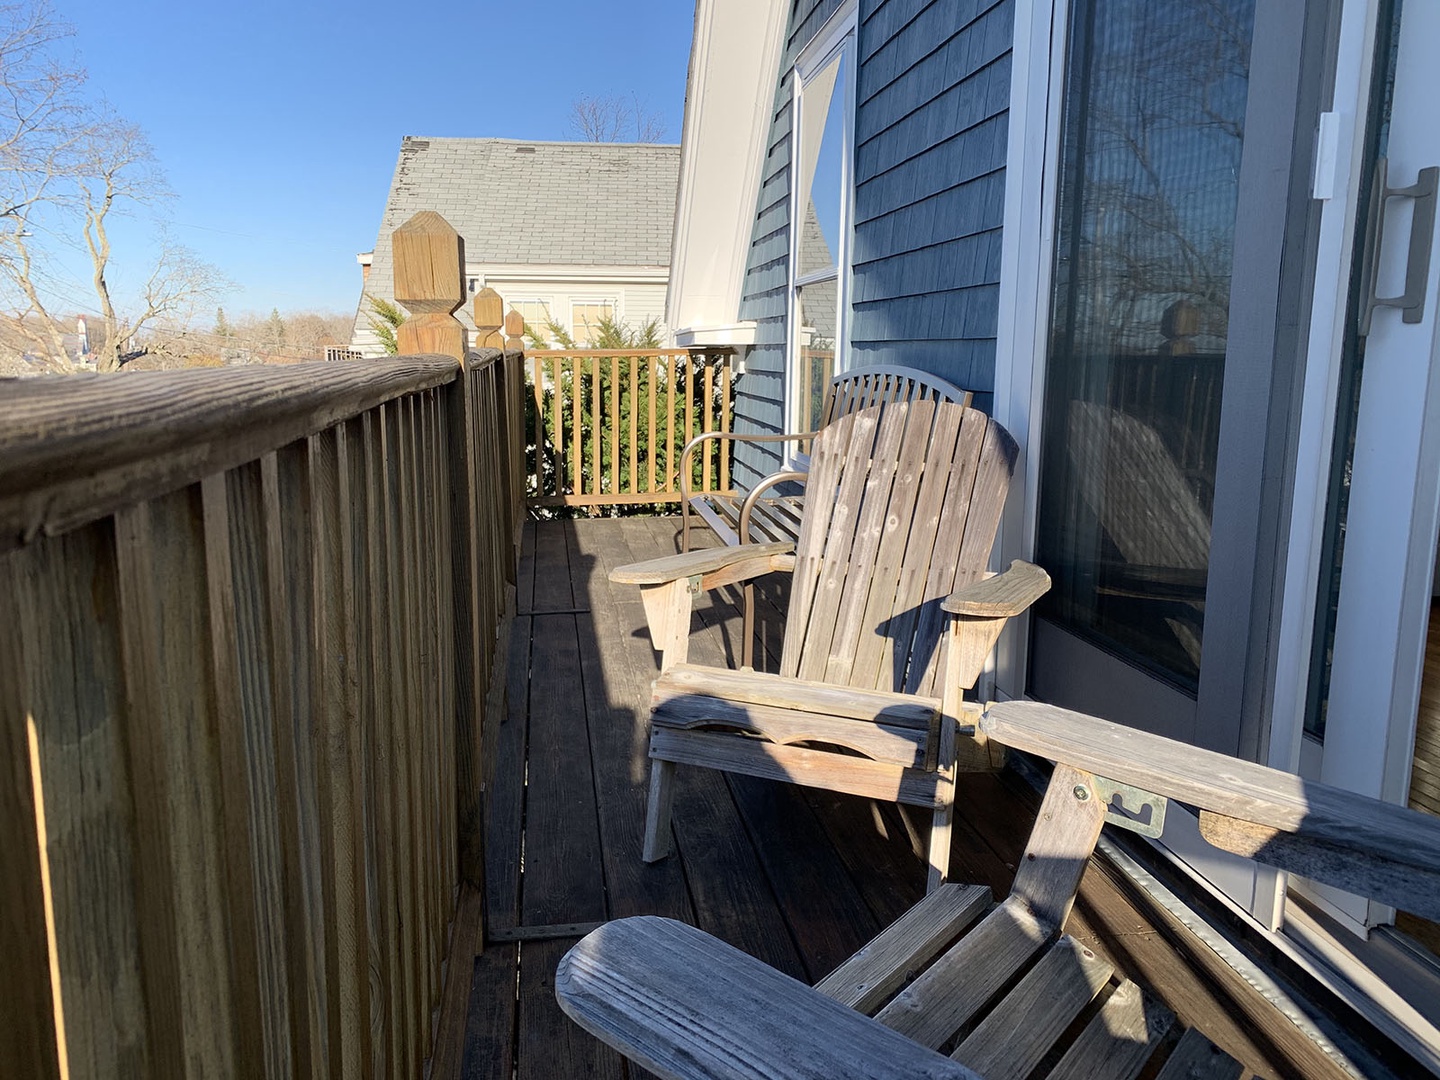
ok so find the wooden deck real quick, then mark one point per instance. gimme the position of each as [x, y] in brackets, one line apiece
[799, 878]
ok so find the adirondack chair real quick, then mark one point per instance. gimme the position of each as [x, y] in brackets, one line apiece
[684, 1004]
[890, 620]
[750, 515]
[760, 514]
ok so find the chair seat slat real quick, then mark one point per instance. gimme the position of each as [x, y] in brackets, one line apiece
[1119, 1038]
[905, 947]
[1017, 1034]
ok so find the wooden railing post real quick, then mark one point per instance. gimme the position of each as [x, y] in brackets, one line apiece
[429, 281]
[515, 404]
[489, 317]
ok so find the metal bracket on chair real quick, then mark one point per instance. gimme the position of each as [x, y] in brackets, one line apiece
[692, 585]
[1129, 810]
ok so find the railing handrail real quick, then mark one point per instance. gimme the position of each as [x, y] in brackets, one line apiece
[252, 649]
[76, 448]
[691, 350]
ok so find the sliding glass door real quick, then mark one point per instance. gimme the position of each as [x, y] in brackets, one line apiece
[1151, 145]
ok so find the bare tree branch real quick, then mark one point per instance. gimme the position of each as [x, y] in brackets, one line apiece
[68, 165]
[608, 118]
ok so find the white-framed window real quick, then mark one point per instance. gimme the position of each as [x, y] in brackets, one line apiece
[537, 315]
[586, 317]
[821, 199]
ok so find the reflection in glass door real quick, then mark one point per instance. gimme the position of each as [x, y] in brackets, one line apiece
[1155, 105]
[821, 246]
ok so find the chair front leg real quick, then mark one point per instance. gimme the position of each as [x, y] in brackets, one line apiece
[658, 839]
[667, 611]
[940, 823]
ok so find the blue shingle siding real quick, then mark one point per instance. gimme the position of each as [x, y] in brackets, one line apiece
[931, 118]
[932, 91]
[806, 19]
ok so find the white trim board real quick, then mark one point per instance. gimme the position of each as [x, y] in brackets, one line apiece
[729, 102]
[1026, 261]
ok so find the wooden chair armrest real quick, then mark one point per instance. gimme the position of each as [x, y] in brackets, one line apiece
[691, 563]
[1342, 838]
[1002, 596]
[684, 1004]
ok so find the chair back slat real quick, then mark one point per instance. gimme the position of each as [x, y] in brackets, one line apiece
[902, 504]
[969, 520]
[855, 656]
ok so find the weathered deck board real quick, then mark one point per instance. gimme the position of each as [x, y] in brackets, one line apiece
[614, 687]
[562, 881]
[490, 1026]
[525, 572]
[797, 877]
[505, 806]
[552, 571]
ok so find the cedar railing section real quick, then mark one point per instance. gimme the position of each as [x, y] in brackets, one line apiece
[606, 427]
[250, 622]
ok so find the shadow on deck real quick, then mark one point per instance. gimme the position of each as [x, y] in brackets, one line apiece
[797, 877]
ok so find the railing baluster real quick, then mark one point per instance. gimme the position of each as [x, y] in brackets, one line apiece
[576, 439]
[632, 363]
[705, 420]
[557, 414]
[651, 443]
[690, 404]
[672, 469]
[725, 424]
[541, 470]
[613, 473]
[596, 424]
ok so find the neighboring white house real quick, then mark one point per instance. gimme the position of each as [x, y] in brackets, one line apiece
[1163, 242]
[566, 231]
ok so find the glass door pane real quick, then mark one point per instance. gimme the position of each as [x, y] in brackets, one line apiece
[822, 149]
[820, 243]
[815, 304]
[1151, 144]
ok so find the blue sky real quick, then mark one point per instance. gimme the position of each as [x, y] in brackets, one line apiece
[278, 125]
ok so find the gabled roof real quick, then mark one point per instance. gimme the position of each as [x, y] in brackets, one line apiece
[588, 204]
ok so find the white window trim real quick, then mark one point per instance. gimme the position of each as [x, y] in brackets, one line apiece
[516, 301]
[836, 37]
[1037, 82]
[593, 300]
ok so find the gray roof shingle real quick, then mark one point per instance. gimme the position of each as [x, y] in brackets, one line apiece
[541, 202]
[545, 203]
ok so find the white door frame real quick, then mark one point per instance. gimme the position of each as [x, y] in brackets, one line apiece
[1037, 81]
[1394, 509]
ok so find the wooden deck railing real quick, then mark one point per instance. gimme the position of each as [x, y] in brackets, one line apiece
[250, 620]
[606, 427]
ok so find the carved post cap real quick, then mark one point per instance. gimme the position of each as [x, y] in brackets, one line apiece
[489, 309]
[489, 316]
[429, 265]
[429, 258]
